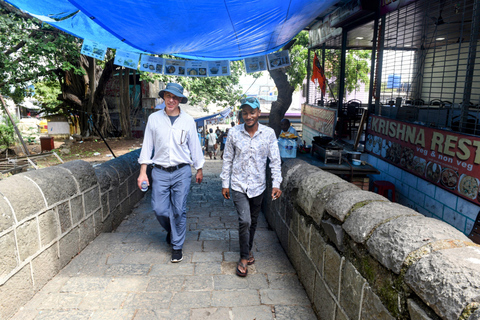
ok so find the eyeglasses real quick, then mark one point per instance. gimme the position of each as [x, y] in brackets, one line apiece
[171, 96]
[249, 99]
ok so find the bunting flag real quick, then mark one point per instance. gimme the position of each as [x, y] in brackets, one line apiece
[319, 75]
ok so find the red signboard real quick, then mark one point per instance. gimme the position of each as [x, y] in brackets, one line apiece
[447, 159]
[320, 119]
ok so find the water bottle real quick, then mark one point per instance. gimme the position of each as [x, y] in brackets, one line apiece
[144, 186]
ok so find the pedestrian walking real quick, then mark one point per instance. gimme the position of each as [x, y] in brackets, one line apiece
[244, 163]
[172, 137]
[212, 144]
[223, 139]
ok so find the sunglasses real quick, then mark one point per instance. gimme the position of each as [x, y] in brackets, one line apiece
[249, 99]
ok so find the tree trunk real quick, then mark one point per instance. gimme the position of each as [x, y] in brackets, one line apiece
[284, 99]
[125, 103]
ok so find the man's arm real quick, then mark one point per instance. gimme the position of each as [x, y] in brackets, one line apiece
[228, 156]
[275, 166]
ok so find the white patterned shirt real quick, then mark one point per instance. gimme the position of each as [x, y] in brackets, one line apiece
[245, 160]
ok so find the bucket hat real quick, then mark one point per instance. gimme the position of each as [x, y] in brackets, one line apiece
[175, 89]
[250, 101]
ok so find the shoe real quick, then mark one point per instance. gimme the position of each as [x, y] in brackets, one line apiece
[251, 259]
[169, 238]
[214, 158]
[177, 255]
[239, 272]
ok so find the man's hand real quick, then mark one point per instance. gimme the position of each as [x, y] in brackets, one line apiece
[276, 193]
[226, 193]
[199, 175]
[142, 177]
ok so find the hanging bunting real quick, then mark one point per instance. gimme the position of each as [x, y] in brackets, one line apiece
[126, 59]
[278, 60]
[174, 67]
[196, 68]
[219, 68]
[255, 64]
[151, 64]
[93, 49]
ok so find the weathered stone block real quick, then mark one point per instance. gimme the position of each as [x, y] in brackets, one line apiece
[311, 185]
[49, 226]
[83, 173]
[294, 222]
[69, 247]
[351, 290]
[333, 264]
[340, 314]
[27, 239]
[340, 204]
[393, 241]
[86, 232]
[447, 280]
[8, 262]
[304, 230]
[293, 250]
[361, 222]
[6, 217]
[76, 207]
[372, 307]
[98, 222]
[475, 315]
[23, 195]
[14, 293]
[122, 192]
[92, 200]
[113, 198]
[56, 183]
[317, 248]
[334, 233]
[64, 216]
[321, 199]
[122, 168]
[416, 312]
[105, 205]
[105, 174]
[45, 266]
[306, 273]
[323, 300]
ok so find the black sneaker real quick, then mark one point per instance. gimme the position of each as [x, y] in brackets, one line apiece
[177, 255]
[169, 238]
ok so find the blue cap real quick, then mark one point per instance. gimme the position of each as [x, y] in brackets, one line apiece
[175, 89]
[250, 101]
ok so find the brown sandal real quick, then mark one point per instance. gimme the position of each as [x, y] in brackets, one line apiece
[251, 259]
[239, 272]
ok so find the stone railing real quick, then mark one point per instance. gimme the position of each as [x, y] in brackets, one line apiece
[360, 256]
[48, 216]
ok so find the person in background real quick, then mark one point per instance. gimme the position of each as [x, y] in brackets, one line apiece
[223, 139]
[212, 144]
[171, 136]
[245, 156]
[286, 127]
[218, 132]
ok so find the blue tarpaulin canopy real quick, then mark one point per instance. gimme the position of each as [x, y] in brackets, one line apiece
[202, 29]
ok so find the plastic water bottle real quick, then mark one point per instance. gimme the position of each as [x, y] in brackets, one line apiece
[144, 186]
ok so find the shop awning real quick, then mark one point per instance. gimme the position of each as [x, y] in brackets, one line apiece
[204, 30]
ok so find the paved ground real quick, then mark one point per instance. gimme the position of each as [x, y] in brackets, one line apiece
[127, 274]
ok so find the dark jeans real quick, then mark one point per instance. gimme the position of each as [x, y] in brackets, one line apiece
[248, 210]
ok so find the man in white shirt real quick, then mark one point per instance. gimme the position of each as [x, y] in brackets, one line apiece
[211, 144]
[245, 161]
[172, 134]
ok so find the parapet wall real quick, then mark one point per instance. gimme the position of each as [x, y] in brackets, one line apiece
[360, 256]
[48, 216]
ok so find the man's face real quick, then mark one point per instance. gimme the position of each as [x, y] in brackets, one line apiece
[284, 125]
[171, 101]
[250, 116]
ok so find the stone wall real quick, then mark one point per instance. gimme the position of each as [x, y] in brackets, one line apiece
[48, 216]
[360, 256]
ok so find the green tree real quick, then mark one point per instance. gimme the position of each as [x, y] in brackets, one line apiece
[7, 133]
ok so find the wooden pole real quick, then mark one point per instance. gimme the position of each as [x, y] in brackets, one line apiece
[15, 126]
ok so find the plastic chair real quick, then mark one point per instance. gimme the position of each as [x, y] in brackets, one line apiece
[382, 187]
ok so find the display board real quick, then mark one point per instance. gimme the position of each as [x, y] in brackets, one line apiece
[320, 119]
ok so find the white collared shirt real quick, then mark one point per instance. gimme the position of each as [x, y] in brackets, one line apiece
[245, 160]
[173, 144]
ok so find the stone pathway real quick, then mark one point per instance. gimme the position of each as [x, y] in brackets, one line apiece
[127, 274]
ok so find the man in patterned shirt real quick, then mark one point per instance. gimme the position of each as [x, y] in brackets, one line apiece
[245, 161]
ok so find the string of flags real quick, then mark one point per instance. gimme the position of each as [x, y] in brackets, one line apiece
[185, 68]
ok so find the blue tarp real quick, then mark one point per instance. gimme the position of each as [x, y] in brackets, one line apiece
[203, 29]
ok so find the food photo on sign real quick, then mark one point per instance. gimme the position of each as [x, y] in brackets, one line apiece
[255, 64]
[278, 60]
[126, 59]
[446, 159]
[174, 67]
[151, 64]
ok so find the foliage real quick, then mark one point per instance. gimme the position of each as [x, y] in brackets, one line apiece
[357, 68]
[7, 133]
[46, 92]
[298, 59]
[31, 51]
[222, 91]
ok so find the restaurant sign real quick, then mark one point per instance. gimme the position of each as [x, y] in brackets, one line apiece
[320, 119]
[447, 159]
